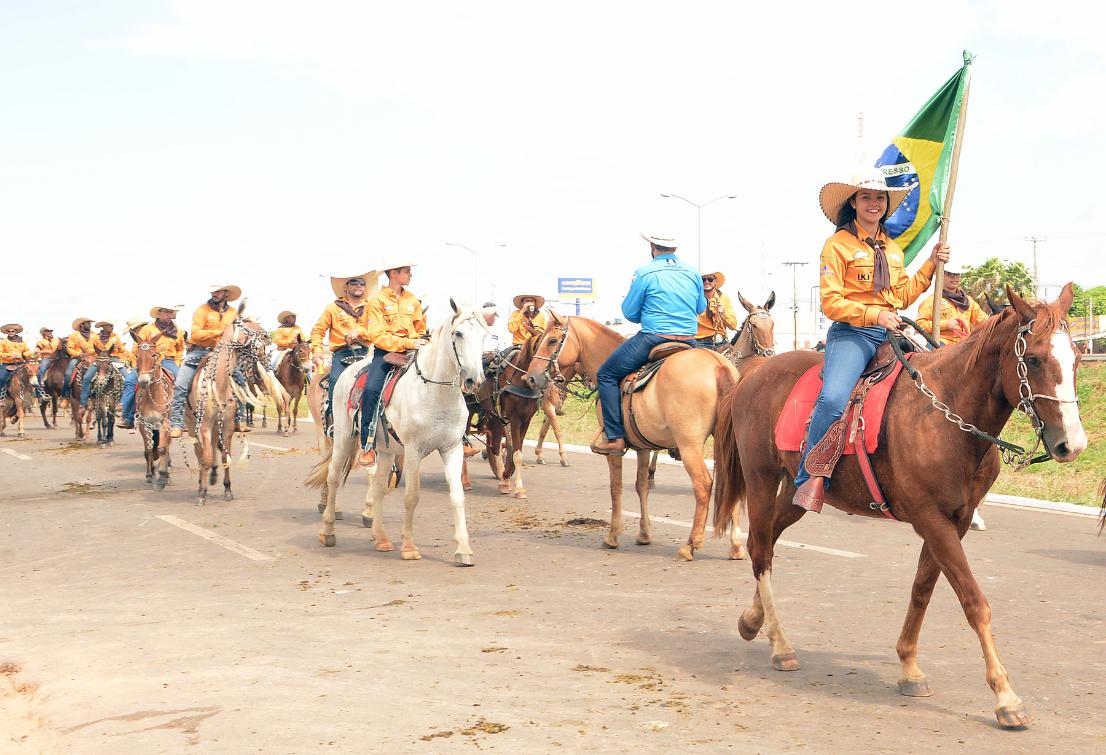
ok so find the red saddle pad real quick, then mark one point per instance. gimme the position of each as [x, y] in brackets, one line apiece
[359, 388]
[791, 425]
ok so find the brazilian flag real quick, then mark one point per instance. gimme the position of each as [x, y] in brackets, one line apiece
[920, 157]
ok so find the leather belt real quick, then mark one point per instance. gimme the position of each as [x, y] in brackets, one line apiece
[674, 338]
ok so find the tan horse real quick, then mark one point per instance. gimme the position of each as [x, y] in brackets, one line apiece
[676, 410]
[552, 404]
[20, 397]
[153, 400]
[291, 372]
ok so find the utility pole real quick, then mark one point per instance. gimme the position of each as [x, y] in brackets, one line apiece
[795, 300]
[1036, 277]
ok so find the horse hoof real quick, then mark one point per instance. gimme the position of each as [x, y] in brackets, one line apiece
[410, 554]
[160, 484]
[915, 688]
[467, 488]
[366, 521]
[520, 494]
[1012, 716]
[610, 542]
[644, 540]
[337, 514]
[652, 483]
[747, 629]
[321, 507]
[287, 434]
[564, 462]
[685, 553]
[786, 662]
[23, 435]
[328, 540]
[504, 489]
[539, 460]
[385, 546]
[738, 553]
[462, 559]
[228, 496]
[200, 502]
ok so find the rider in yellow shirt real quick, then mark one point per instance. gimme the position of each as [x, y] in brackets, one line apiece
[396, 325]
[104, 342]
[959, 313]
[286, 336]
[13, 352]
[78, 346]
[527, 320]
[45, 349]
[719, 314]
[345, 320]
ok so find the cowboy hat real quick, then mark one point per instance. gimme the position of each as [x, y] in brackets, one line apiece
[661, 241]
[137, 322]
[719, 279]
[371, 278]
[284, 314]
[44, 331]
[833, 195]
[155, 310]
[79, 320]
[395, 263]
[539, 301]
[233, 291]
[105, 324]
[12, 326]
[953, 270]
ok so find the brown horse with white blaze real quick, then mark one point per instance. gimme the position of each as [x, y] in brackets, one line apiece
[1022, 358]
[20, 397]
[675, 410]
[153, 401]
[291, 372]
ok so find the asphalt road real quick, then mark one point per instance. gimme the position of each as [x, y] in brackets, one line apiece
[123, 630]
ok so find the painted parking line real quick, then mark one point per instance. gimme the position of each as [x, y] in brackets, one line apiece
[272, 448]
[219, 540]
[16, 454]
[788, 543]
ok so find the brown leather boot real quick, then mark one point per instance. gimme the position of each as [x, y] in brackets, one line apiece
[811, 495]
[605, 447]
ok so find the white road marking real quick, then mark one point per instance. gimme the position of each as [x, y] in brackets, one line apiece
[274, 448]
[16, 454]
[225, 542]
[788, 543]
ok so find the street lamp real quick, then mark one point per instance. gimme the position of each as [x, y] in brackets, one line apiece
[475, 269]
[699, 216]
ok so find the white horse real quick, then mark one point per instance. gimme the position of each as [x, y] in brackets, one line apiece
[428, 413]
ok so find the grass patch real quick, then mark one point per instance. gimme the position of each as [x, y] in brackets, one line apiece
[1076, 482]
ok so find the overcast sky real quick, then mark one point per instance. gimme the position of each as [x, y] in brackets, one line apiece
[149, 149]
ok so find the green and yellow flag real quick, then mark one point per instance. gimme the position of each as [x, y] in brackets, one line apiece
[921, 157]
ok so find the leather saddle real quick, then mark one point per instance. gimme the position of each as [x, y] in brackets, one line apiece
[636, 382]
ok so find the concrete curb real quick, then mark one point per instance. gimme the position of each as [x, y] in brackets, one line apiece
[997, 499]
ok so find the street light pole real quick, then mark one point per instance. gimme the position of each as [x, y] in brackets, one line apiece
[699, 221]
[795, 300]
[475, 270]
[1036, 277]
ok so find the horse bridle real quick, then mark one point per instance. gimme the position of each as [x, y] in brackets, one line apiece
[553, 358]
[455, 382]
[758, 350]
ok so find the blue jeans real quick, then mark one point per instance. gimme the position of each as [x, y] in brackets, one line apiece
[631, 355]
[848, 351]
[69, 370]
[5, 377]
[370, 396]
[42, 367]
[130, 386]
[337, 368]
[183, 385]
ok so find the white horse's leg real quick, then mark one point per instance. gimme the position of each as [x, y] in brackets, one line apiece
[520, 489]
[737, 548]
[452, 461]
[552, 419]
[374, 503]
[408, 550]
[341, 449]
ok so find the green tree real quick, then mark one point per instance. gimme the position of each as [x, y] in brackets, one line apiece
[992, 277]
[1085, 298]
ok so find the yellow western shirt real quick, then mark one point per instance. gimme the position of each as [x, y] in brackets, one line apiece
[208, 325]
[77, 345]
[101, 347]
[518, 329]
[395, 321]
[284, 337]
[10, 352]
[847, 266]
[47, 346]
[340, 325]
[718, 316]
[167, 348]
[972, 317]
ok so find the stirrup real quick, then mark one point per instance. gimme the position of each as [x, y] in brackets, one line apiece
[367, 458]
[811, 495]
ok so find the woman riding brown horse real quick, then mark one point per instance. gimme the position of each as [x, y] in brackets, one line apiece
[1022, 358]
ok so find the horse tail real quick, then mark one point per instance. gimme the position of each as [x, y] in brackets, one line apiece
[318, 475]
[729, 482]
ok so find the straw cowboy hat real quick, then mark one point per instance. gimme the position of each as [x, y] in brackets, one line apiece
[719, 279]
[395, 263]
[660, 241]
[286, 313]
[79, 320]
[953, 270]
[371, 278]
[539, 301]
[154, 311]
[834, 195]
[105, 324]
[233, 291]
[12, 327]
[137, 322]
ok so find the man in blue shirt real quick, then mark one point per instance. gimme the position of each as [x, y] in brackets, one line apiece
[665, 298]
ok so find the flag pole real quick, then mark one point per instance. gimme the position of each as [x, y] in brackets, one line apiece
[939, 275]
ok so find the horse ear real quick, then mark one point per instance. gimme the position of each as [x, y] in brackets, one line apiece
[771, 301]
[241, 307]
[1020, 305]
[748, 307]
[299, 338]
[454, 305]
[1065, 299]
